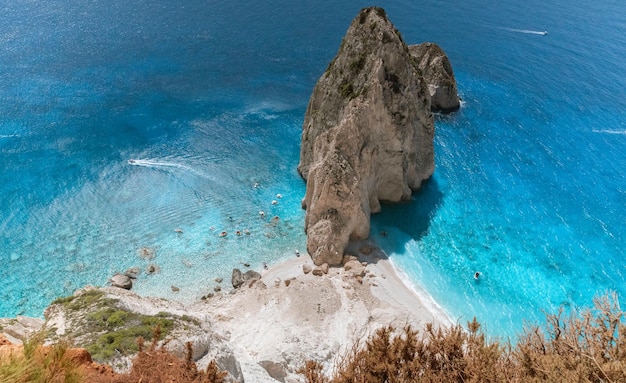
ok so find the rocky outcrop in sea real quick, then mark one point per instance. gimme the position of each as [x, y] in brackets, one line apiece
[436, 70]
[367, 135]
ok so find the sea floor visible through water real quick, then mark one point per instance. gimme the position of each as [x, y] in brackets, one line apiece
[208, 100]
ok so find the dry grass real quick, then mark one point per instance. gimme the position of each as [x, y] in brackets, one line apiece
[585, 346]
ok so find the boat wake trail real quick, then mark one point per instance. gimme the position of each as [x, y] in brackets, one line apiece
[528, 31]
[609, 131]
[163, 165]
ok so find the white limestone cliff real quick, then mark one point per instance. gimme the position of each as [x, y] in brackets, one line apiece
[367, 135]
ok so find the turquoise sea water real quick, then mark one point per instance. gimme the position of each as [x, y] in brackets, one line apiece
[208, 98]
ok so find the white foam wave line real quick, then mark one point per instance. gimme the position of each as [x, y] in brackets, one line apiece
[429, 302]
[609, 131]
[8, 135]
[528, 31]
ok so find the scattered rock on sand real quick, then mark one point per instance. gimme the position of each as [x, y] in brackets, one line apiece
[238, 278]
[324, 268]
[355, 268]
[318, 271]
[306, 268]
[347, 258]
[275, 370]
[122, 281]
[209, 295]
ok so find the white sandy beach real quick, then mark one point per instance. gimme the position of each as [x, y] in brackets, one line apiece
[314, 317]
[273, 326]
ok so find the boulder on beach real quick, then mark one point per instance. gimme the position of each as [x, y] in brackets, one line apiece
[238, 278]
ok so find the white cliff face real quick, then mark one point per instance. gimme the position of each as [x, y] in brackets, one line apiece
[367, 136]
[438, 74]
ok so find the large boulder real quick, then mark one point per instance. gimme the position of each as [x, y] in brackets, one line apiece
[238, 278]
[438, 74]
[367, 136]
[122, 281]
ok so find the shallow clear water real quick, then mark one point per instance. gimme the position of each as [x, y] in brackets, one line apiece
[529, 188]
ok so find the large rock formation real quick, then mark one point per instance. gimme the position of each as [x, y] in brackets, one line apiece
[367, 135]
[437, 71]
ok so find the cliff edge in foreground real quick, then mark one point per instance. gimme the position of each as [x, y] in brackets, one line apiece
[367, 135]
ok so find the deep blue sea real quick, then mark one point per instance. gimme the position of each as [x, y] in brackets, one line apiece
[208, 98]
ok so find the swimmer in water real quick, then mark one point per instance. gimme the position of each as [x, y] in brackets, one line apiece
[477, 275]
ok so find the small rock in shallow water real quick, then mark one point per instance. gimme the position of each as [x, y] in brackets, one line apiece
[175, 289]
[133, 272]
[122, 281]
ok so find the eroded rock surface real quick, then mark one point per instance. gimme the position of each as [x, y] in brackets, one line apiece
[438, 74]
[367, 136]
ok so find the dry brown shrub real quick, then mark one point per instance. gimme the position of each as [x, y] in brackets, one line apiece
[436, 355]
[157, 365]
[584, 346]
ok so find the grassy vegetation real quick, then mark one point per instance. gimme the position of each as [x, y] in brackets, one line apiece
[107, 330]
[122, 328]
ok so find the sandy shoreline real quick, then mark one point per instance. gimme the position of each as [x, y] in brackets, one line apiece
[314, 317]
[267, 329]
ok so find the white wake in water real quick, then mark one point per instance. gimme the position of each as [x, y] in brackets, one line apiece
[609, 131]
[528, 31]
[158, 164]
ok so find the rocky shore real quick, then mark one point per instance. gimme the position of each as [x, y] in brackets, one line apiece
[263, 331]
[367, 137]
